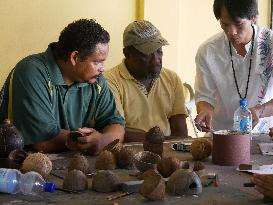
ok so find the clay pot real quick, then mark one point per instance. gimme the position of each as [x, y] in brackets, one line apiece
[146, 160]
[153, 188]
[10, 139]
[231, 148]
[183, 182]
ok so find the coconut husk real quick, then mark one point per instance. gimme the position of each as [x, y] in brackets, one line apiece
[37, 162]
[153, 188]
[201, 149]
[183, 182]
[167, 166]
[105, 181]
[75, 180]
[79, 162]
[105, 161]
[126, 158]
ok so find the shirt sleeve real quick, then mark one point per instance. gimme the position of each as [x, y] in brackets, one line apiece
[31, 104]
[106, 112]
[205, 88]
[115, 89]
[179, 98]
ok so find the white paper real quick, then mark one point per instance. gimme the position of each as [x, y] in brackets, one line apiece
[266, 148]
[264, 169]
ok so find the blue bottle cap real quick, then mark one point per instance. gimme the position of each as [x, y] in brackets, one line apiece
[243, 103]
[49, 187]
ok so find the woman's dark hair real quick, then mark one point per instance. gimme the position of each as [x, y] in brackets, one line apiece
[236, 8]
[82, 35]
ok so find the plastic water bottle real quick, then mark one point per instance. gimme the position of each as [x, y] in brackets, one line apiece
[242, 117]
[13, 181]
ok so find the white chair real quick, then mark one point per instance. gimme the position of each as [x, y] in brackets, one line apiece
[190, 106]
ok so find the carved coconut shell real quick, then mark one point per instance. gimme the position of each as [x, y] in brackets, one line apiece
[183, 182]
[79, 162]
[105, 181]
[126, 158]
[106, 160]
[10, 139]
[153, 188]
[37, 162]
[201, 149]
[167, 166]
[114, 147]
[197, 166]
[155, 135]
[146, 160]
[184, 165]
[75, 180]
[155, 148]
[148, 173]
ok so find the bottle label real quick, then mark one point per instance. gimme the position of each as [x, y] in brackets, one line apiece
[245, 125]
[7, 180]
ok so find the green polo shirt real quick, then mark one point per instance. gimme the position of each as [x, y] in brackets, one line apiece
[42, 103]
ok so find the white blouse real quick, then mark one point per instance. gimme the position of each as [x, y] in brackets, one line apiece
[215, 84]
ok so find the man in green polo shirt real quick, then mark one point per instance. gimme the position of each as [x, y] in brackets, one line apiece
[50, 94]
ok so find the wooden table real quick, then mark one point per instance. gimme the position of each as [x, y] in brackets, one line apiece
[229, 191]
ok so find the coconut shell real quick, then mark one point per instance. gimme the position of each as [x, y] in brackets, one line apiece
[153, 188]
[184, 165]
[155, 135]
[126, 158]
[114, 147]
[197, 166]
[167, 166]
[155, 148]
[10, 139]
[201, 149]
[79, 162]
[146, 160]
[105, 181]
[183, 182]
[106, 160]
[147, 173]
[75, 180]
[37, 162]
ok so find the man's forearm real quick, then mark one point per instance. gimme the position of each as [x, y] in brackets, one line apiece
[56, 144]
[110, 133]
[204, 106]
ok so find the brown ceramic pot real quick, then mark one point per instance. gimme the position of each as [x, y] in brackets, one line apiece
[230, 148]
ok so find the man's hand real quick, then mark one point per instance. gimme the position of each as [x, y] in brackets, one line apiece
[257, 113]
[264, 184]
[204, 116]
[87, 139]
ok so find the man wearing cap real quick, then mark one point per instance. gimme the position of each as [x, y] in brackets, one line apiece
[146, 94]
